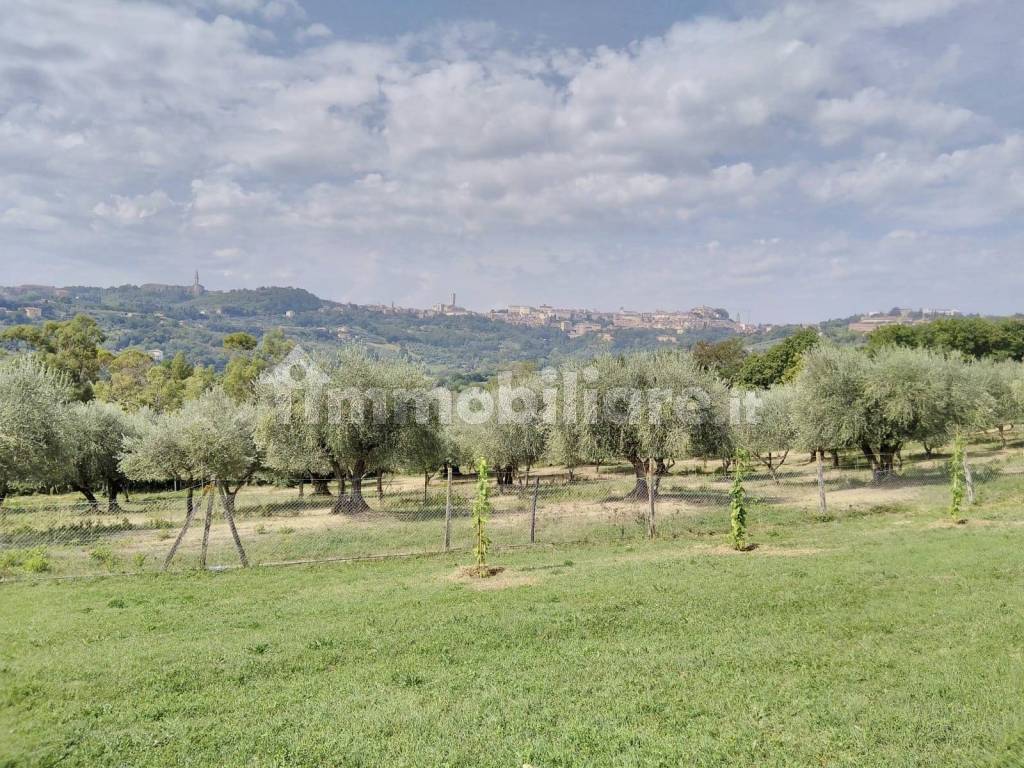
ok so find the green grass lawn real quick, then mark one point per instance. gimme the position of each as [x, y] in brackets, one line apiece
[885, 639]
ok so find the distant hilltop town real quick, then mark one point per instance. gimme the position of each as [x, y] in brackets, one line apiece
[574, 322]
[579, 322]
[898, 316]
[39, 302]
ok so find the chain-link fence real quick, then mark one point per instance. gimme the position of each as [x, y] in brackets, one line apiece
[267, 524]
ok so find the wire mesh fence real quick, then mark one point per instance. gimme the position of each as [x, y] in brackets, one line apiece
[44, 536]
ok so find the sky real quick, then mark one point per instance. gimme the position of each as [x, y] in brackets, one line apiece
[789, 161]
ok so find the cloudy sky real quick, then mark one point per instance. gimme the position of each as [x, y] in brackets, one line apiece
[789, 161]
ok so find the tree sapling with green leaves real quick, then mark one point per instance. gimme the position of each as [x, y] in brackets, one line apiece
[958, 480]
[738, 504]
[481, 513]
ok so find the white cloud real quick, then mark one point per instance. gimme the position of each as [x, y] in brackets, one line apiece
[446, 145]
[972, 187]
[131, 210]
[870, 108]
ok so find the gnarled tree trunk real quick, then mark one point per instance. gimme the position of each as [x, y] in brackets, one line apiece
[353, 502]
[882, 463]
[113, 488]
[89, 496]
[640, 491]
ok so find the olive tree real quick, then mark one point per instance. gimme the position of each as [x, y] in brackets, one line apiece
[290, 447]
[355, 421]
[97, 435]
[955, 395]
[829, 400]
[846, 399]
[766, 429]
[33, 422]
[159, 451]
[569, 447]
[427, 449]
[652, 407]
[221, 437]
[210, 440]
[569, 442]
[1002, 381]
[507, 447]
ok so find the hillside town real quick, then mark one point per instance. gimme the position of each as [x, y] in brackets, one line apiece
[898, 316]
[576, 322]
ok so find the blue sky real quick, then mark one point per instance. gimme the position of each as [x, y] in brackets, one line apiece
[567, 23]
[788, 160]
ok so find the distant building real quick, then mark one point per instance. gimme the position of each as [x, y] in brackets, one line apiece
[33, 313]
[451, 310]
[290, 313]
[581, 329]
[898, 316]
[156, 354]
[869, 323]
[631, 320]
[197, 289]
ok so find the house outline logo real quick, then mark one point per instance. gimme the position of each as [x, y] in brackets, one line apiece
[297, 370]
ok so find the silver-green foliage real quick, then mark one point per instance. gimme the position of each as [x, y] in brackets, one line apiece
[34, 424]
[209, 438]
[357, 421]
[847, 399]
[97, 436]
[658, 406]
[766, 426]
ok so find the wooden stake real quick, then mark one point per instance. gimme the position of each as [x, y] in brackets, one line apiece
[234, 531]
[969, 481]
[181, 534]
[822, 504]
[650, 498]
[448, 513]
[533, 511]
[206, 524]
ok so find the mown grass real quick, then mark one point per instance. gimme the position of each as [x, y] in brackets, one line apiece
[277, 525]
[871, 639]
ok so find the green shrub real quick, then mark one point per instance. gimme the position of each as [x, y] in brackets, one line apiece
[105, 556]
[33, 560]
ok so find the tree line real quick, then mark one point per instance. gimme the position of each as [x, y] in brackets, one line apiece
[61, 428]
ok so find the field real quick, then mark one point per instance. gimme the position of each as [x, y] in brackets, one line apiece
[59, 536]
[881, 634]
